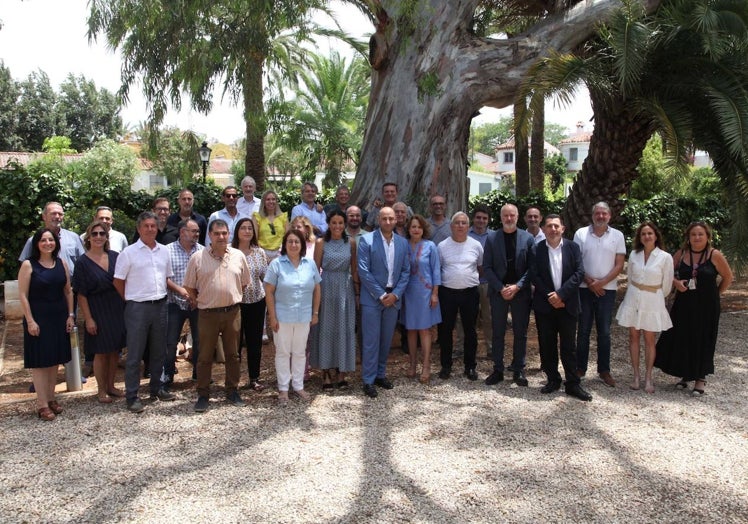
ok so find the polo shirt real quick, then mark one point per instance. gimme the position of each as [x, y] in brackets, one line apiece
[219, 281]
[599, 253]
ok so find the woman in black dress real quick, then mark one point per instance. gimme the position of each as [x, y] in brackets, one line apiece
[102, 308]
[687, 349]
[47, 301]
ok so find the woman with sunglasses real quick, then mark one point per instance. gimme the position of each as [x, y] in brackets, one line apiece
[102, 307]
[271, 224]
[687, 349]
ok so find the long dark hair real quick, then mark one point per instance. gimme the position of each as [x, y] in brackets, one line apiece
[252, 241]
[336, 213]
[35, 253]
[637, 244]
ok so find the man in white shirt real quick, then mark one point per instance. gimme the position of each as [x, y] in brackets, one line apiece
[248, 203]
[460, 257]
[142, 276]
[229, 214]
[603, 253]
[117, 241]
[533, 219]
[557, 272]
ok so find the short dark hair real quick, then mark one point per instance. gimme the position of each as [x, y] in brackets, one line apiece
[300, 237]
[160, 199]
[35, 253]
[223, 193]
[252, 241]
[552, 216]
[481, 208]
[218, 222]
[146, 215]
[389, 184]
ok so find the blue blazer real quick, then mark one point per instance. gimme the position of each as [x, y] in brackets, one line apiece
[372, 268]
[494, 261]
[572, 274]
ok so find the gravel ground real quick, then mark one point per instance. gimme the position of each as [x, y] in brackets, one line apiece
[453, 452]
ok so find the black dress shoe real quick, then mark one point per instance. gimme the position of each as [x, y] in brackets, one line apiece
[575, 390]
[494, 378]
[445, 373]
[520, 379]
[471, 374]
[383, 383]
[550, 387]
[370, 391]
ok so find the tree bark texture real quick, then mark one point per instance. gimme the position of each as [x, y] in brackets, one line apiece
[432, 76]
[616, 146]
[254, 119]
[537, 150]
[521, 151]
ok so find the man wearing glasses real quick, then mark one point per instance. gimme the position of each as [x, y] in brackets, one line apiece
[440, 226]
[229, 214]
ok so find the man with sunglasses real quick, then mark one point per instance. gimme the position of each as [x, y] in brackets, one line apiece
[229, 214]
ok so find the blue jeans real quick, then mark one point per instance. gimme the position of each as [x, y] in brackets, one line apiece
[599, 309]
[176, 318]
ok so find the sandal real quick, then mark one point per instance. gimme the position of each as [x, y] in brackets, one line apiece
[45, 414]
[343, 384]
[425, 379]
[55, 407]
[104, 399]
[697, 392]
[256, 385]
[116, 393]
[681, 385]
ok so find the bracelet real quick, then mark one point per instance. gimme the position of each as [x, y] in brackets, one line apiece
[315, 313]
[72, 315]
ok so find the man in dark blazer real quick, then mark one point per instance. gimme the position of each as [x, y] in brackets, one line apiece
[557, 273]
[506, 268]
[384, 270]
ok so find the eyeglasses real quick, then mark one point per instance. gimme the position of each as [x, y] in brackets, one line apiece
[98, 233]
[231, 195]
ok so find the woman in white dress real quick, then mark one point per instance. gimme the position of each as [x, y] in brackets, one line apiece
[650, 276]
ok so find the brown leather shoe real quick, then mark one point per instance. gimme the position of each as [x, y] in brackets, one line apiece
[55, 407]
[608, 379]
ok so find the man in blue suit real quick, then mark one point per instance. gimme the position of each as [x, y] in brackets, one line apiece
[558, 271]
[384, 269]
[506, 268]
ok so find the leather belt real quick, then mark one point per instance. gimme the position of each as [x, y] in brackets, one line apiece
[158, 301]
[645, 287]
[220, 309]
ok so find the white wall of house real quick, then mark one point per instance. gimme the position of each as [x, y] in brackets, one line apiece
[482, 183]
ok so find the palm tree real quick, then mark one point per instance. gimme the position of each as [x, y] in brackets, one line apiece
[325, 120]
[681, 72]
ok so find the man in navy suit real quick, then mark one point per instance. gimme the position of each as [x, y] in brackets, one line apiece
[505, 266]
[384, 269]
[558, 271]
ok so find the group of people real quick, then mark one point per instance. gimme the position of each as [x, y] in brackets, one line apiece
[315, 280]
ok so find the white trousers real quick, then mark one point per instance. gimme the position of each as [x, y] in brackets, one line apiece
[290, 354]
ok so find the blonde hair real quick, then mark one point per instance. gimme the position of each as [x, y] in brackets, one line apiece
[308, 227]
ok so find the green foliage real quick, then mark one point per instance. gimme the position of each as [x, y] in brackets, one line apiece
[22, 198]
[207, 196]
[554, 167]
[554, 133]
[495, 199]
[85, 114]
[37, 118]
[57, 145]
[9, 141]
[428, 85]
[485, 137]
[104, 173]
[174, 153]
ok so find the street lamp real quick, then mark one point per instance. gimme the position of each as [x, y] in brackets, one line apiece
[205, 157]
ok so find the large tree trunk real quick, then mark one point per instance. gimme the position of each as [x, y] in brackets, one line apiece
[616, 147]
[537, 151]
[254, 119]
[431, 74]
[521, 151]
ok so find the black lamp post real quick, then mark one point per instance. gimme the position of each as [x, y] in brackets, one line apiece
[205, 157]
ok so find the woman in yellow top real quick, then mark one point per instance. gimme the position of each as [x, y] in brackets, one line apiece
[270, 223]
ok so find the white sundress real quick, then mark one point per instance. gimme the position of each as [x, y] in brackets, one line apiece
[643, 309]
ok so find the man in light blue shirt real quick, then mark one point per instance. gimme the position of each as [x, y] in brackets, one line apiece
[308, 208]
[229, 214]
[71, 247]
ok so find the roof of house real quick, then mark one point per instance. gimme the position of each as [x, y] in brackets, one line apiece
[509, 145]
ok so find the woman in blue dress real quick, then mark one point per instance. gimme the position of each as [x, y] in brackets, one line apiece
[421, 298]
